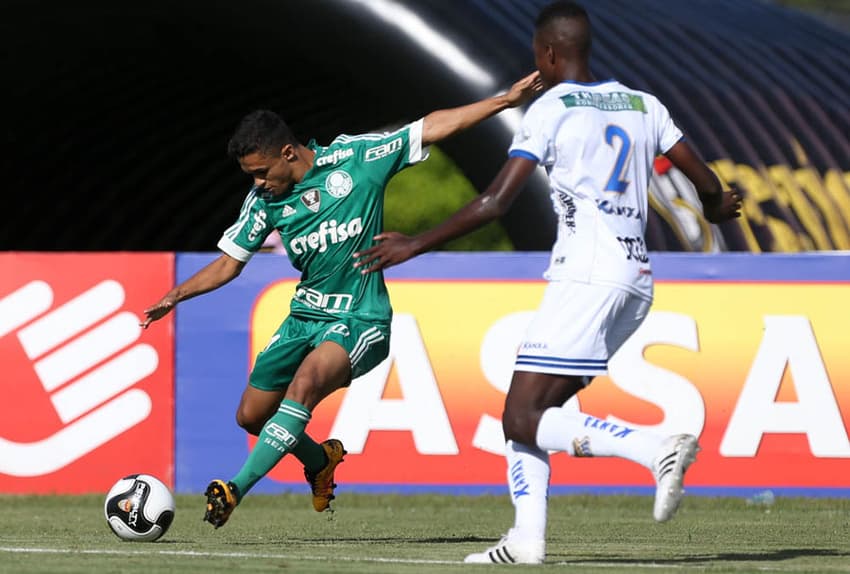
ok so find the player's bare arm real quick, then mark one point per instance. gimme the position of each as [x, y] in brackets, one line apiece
[718, 205]
[441, 124]
[394, 248]
[217, 273]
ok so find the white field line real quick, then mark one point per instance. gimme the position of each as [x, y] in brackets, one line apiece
[195, 553]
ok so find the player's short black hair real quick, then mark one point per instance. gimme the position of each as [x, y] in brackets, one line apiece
[579, 37]
[560, 9]
[260, 131]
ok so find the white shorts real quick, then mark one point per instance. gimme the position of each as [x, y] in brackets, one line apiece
[578, 327]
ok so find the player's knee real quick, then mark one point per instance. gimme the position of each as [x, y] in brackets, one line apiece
[249, 421]
[311, 390]
[520, 427]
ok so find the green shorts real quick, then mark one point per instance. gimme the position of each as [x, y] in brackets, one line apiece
[367, 344]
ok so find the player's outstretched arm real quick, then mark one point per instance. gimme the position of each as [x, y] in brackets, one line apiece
[717, 205]
[394, 248]
[211, 277]
[441, 124]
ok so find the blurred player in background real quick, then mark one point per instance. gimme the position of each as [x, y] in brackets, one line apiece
[326, 203]
[597, 142]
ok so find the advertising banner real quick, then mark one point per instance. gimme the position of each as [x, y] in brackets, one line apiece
[746, 352]
[87, 394]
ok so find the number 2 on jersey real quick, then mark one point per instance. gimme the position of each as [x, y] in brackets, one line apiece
[616, 182]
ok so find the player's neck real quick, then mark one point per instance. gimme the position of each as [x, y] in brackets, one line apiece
[306, 157]
[578, 72]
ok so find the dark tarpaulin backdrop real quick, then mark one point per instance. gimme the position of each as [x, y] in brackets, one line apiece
[116, 115]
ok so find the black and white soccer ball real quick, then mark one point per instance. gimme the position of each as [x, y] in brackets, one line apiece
[139, 508]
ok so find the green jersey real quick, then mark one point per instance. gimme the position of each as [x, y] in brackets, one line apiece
[334, 211]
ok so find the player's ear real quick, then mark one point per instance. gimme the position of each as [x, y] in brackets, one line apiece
[287, 152]
[550, 54]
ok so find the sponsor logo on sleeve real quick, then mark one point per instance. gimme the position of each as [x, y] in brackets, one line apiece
[384, 150]
[258, 226]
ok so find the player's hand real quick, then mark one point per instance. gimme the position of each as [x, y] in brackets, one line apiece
[728, 208]
[393, 248]
[525, 89]
[158, 311]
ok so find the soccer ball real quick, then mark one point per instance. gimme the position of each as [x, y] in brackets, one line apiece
[139, 508]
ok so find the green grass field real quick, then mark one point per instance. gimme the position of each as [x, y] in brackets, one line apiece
[403, 534]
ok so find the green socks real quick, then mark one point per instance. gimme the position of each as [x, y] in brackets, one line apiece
[310, 453]
[281, 435]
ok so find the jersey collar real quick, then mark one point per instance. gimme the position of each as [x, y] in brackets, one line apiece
[575, 83]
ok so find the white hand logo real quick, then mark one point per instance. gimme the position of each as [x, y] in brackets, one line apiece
[59, 361]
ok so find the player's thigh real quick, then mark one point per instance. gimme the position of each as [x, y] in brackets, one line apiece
[343, 350]
[323, 371]
[576, 329]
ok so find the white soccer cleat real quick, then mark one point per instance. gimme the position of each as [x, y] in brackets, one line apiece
[678, 452]
[509, 551]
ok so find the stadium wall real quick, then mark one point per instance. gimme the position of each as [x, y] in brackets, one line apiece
[746, 351]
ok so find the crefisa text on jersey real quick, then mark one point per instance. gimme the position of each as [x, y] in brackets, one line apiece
[337, 155]
[327, 229]
[259, 225]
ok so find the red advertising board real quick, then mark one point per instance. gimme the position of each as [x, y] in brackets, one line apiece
[87, 394]
[757, 371]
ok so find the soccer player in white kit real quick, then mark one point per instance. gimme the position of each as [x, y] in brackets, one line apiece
[597, 142]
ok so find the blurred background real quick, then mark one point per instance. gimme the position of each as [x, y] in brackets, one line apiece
[117, 115]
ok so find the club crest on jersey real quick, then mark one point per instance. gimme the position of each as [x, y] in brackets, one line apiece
[311, 200]
[339, 184]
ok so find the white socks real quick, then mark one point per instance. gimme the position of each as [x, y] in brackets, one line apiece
[577, 434]
[528, 480]
[584, 435]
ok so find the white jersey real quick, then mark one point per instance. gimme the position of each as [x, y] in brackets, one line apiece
[598, 143]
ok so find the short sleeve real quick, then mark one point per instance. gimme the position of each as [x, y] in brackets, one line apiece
[666, 130]
[390, 152]
[531, 141]
[245, 237]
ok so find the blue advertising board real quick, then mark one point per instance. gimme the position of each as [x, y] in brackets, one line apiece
[214, 349]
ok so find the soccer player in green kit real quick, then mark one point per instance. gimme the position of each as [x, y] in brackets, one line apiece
[327, 204]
